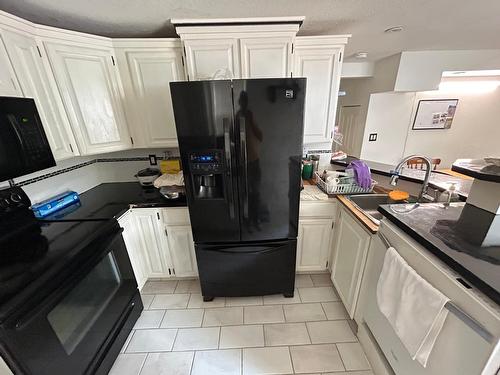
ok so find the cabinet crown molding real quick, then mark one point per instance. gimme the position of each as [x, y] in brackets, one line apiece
[237, 21]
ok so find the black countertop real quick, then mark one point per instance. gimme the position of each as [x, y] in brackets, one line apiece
[478, 168]
[434, 228]
[111, 200]
[437, 180]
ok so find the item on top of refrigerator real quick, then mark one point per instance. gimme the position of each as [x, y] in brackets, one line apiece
[169, 180]
[362, 173]
[55, 203]
[147, 176]
[338, 155]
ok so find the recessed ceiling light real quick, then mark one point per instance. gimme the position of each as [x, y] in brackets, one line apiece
[395, 29]
[361, 55]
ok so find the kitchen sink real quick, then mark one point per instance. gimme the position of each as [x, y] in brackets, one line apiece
[368, 204]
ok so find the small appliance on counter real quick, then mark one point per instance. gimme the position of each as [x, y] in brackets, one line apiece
[147, 176]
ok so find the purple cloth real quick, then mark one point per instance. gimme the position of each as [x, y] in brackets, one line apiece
[362, 173]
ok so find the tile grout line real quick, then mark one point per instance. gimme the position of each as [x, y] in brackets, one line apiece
[291, 361]
[143, 363]
[340, 356]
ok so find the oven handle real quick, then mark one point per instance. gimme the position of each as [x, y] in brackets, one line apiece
[111, 339]
[31, 312]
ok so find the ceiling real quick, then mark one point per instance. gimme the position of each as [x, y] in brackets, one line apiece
[428, 24]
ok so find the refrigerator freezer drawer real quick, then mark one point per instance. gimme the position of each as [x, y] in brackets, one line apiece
[247, 269]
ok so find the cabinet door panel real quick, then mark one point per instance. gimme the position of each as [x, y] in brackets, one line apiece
[88, 84]
[265, 57]
[182, 251]
[151, 244]
[149, 74]
[35, 83]
[349, 258]
[207, 56]
[8, 81]
[313, 244]
[131, 238]
[321, 67]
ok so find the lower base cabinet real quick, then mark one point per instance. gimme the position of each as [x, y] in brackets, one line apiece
[181, 250]
[313, 244]
[156, 249]
[349, 257]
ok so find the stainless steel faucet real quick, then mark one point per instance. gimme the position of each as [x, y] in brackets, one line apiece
[426, 160]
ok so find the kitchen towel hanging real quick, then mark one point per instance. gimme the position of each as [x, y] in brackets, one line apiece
[413, 307]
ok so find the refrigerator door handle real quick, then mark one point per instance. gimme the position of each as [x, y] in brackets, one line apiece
[243, 148]
[229, 162]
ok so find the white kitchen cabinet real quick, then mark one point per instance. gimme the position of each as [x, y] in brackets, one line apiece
[265, 57]
[238, 48]
[319, 59]
[205, 57]
[181, 250]
[150, 235]
[315, 232]
[146, 70]
[349, 258]
[313, 244]
[132, 240]
[36, 82]
[89, 84]
[9, 86]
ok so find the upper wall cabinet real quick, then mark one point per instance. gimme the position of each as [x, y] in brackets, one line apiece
[36, 82]
[89, 85]
[206, 58]
[9, 85]
[238, 48]
[146, 69]
[266, 57]
[319, 59]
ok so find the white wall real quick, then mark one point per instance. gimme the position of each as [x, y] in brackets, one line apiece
[358, 91]
[422, 70]
[474, 133]
[388, 116]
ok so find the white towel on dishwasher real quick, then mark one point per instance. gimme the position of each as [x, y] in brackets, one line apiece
[413, 307]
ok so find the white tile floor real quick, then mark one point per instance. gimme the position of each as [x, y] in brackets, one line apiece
[179, 334]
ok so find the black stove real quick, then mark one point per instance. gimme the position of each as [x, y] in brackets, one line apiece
[52, 270]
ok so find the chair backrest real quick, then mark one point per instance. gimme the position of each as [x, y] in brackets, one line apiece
[419, 163]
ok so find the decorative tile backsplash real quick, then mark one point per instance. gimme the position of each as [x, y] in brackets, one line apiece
[81, 165]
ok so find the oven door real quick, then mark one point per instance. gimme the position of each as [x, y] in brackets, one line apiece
[73, 329]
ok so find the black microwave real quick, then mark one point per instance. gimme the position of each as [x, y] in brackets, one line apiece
[24, 147]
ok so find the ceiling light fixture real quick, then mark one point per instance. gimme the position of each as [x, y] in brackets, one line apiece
[473, 87]
[361, 55]
[394, 29]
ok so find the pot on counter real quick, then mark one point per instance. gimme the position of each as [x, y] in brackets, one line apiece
[147, 176]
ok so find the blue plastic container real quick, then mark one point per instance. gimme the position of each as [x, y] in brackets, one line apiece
[56, 203]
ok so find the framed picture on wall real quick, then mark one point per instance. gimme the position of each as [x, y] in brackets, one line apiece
[434, 114]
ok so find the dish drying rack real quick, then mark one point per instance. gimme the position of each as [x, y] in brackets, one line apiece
[340, 189]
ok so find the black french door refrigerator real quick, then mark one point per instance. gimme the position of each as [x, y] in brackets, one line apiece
[241, 145]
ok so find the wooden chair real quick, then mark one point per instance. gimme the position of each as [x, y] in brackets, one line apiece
[419, 163]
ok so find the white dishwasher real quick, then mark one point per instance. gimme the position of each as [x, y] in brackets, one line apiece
[459, 348]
